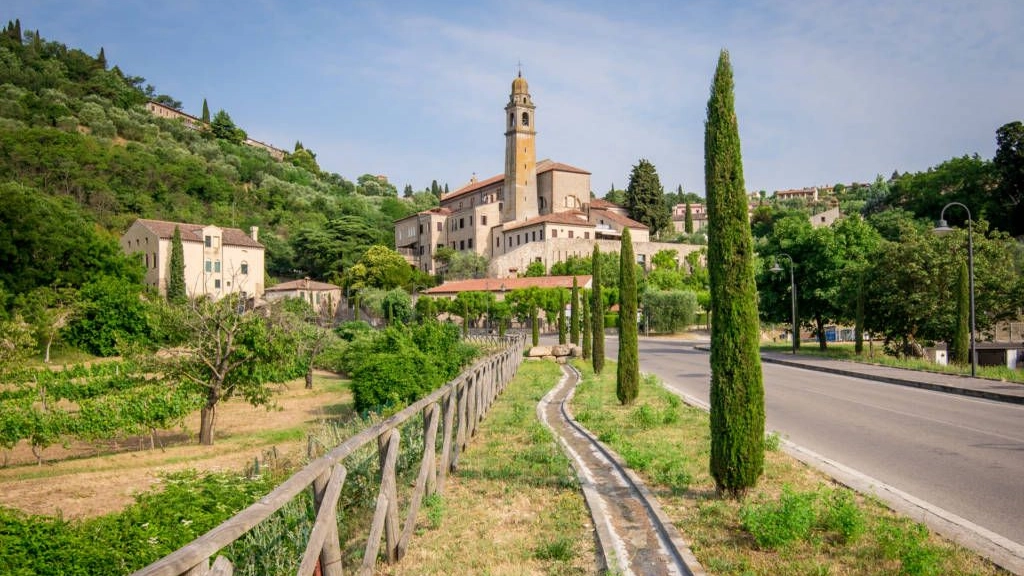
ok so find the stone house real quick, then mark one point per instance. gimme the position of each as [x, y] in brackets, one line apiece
[321, 296]
[218, 261]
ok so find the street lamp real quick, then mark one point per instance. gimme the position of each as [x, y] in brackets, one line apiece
[792, 290]
[942, 228]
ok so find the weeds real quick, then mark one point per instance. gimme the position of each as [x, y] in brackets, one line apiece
[772, 442]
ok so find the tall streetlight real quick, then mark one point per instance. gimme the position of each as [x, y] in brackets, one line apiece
[941, 228]
[792, 290]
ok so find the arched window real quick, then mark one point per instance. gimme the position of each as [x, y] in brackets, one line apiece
[511, 120]
[526, 119]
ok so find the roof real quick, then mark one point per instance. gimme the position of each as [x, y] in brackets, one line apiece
[505, 284]
[303, 284]
[194, 232]
[571, 218]
[438, 211]
[620, 219]
[542, 166]
[603, 204]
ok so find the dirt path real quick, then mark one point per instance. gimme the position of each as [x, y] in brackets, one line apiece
[85, 479]
[635, 537]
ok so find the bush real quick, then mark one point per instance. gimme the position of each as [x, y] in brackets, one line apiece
[670, 311]
[611, 320]
[350, 330]
[776, 524]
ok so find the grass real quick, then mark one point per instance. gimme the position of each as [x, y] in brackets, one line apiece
[796, 521]
[514, 506]
[845, 351]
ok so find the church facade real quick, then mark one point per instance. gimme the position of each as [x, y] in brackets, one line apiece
[533, 212]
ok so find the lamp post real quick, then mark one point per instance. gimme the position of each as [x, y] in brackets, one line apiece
[941, 228]
[792, 290]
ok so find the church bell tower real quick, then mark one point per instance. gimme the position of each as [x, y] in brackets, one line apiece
[520, 188]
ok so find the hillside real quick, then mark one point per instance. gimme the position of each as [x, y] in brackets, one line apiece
[81, 158]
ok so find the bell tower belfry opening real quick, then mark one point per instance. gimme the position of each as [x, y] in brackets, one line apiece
[520, 187]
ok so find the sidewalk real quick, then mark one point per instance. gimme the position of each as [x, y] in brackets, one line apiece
[965, 385]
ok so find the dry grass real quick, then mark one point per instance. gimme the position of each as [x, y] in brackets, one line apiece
[668, 443]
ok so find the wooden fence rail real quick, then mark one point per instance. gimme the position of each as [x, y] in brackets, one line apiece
[456, 408]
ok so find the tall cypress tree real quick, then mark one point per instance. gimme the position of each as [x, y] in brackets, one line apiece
[561, 318]
[962, 331]
[587, 343]
[628, 375]
[534, 324]
[737, 389]
[206, 112]
[176, 273]
[597, 314]
[574, 312]
[688, 220]
[101, 58]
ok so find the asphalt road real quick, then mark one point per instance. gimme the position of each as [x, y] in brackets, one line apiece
[961, 454]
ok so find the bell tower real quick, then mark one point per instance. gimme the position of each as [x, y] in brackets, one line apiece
[520, 188]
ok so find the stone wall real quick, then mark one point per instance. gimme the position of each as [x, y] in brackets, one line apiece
[554, 250]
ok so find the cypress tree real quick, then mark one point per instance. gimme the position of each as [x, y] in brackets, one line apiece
[962, 331]
[176, 275]
[101, 59]
[597, 314]
[574, 311]
[206, 112]
[534, 324]
[627, 384]
[737, 389]
[688, 220]
[587, 343]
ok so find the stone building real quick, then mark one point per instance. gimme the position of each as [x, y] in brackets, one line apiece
[533, 212]
[218, 261]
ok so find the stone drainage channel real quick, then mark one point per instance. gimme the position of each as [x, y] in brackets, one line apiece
[634, 536]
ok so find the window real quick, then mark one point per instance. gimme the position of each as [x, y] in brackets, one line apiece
[216, 265]
[439, 228]
[245, 269]
[533, 235]
[421, 228]
[554, 233]
[470, 243]
[462, 223]
[497, 242]
[526, 119]
[462, 244]
[208, 241]
[154, 259]
[483, 220]
[586, 235]
[470, 220]
[570, 234]
[541, 233]
[511, 120]
[147, 260]
[209, 266]
[216, 284]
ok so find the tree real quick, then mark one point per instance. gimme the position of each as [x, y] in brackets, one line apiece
[48, 310]
[1009, 165]
[110, 313]
[206, 112]
[16, 343]
[617, 197]
[574, 313]
[597, 313]
[645, 198]
[535, 270]
[380, 267]
[176, 293]
[688, 220]
[628, 369]
[228, 351]
[737, 389]
[669, 311]
[587, 337]
[101, 59]
[561, 326]
[224, 128]
[962, 331]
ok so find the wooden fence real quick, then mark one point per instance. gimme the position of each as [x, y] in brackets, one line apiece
[457, 407]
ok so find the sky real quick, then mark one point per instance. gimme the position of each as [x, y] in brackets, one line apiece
[826, 91]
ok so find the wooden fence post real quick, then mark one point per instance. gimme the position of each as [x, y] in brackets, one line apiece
[450, 403]
[330, 553]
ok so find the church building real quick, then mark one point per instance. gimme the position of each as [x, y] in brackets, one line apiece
[533, 212]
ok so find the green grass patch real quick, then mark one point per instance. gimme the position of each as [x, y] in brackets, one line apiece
[794, 522]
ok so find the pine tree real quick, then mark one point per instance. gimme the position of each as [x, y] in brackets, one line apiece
[688, 220]
[962, 331]
[627, 383]
[645, 198]
[101, 59]
[206, 112]
[587, 343]
[176, 274]
[597, 314]
[737, 389]
[574, 311]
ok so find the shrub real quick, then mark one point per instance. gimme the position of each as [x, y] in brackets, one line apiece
[776, 524]
[611, 320]
[842, 516]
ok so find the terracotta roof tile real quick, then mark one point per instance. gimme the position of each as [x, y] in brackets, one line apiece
[304, 284]
[572, 218]
[620, 219]
[194, 232]
[542, 166]
[497, 284]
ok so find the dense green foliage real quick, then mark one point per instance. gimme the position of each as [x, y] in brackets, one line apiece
[645, 198]
[401, 364]
[597, 309]
[1009, 166]
[960, 345]
[737, 391]
[628, 367]
[588, 343]
[574, 311]
[176, 292]
[669, 311]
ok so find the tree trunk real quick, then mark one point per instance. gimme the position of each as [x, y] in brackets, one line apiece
[208, 415]
[822, 342]
[309, 377]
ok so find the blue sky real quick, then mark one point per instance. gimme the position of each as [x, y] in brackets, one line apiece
[826, 90]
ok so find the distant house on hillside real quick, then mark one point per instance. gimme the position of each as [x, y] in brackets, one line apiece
[218, 261]
[321, 296]
[193, 123]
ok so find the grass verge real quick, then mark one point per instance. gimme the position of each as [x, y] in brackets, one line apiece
[796, 521]
[845, 351]
[514, 506]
